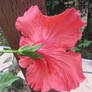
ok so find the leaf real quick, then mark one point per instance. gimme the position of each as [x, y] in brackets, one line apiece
[85, 44]
[6, 79]
[80, 45]
[1, 89]
[7, 48]
[18, 83]
[75, 49]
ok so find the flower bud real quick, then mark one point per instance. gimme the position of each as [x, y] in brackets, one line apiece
[30, 51]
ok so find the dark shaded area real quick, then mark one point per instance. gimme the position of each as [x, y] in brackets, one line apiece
[55, 7]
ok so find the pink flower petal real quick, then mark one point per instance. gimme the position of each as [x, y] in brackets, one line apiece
[67, 73]
[64, 29]
[37, 75]
[38, 27]
[30, 24]
[24, 41]
[25, 61]
[61, 72]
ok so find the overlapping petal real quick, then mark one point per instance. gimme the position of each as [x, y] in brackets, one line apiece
[25, 62]
[59, 70]
[30, 24]
[40, 28]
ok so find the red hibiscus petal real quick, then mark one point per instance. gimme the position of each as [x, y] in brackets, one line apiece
[24, 62]
[58, 70]
[62, 29]
[30, 24]
[37, 76]
[67, 71]
[61, 72]
[24, 41]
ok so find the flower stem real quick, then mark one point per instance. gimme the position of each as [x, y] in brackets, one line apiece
[9, 51]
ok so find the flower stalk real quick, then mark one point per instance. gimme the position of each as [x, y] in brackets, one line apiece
[9, 51]
[26, 50]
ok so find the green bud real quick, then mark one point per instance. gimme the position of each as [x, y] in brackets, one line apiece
[26, 50]
[30, 51]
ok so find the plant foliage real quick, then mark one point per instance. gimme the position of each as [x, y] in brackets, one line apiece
[6, 79]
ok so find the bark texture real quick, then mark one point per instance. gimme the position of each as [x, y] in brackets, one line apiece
[9, 11]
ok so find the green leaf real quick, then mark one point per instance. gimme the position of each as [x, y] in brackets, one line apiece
[75, 49]
[1, 89]
[18, 83]
[6, 79]
[85, 44]
[7, 48]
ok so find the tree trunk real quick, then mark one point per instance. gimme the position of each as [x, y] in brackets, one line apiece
[9, 11]
[89, 21]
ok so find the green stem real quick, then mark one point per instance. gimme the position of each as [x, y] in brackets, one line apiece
[9, 51]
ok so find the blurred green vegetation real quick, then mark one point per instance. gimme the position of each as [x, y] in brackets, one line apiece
[55, 7]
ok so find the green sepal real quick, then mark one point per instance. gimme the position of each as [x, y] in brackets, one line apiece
[30, 51]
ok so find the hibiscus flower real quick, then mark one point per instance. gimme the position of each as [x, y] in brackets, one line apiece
[59, 69]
